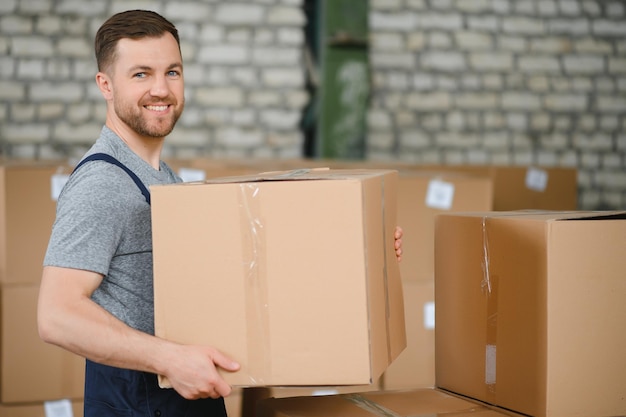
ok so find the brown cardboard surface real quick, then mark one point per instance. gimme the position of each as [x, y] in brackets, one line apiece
[529, 314]
[293, 274]
[419, 402]
[31, 369]
[421, 197]
[27, 211]
[39, 409]
[525, 187]
[415, 367]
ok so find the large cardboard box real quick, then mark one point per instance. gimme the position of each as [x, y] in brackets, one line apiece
[32, 370]
[418, 402]
[530, 310]
[421, 197]
[519, 187]
[27, 211]
[293, 274]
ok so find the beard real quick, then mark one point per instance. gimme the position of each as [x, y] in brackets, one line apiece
[158, 127]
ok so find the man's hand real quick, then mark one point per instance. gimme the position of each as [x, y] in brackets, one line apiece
[398, 242]
[193, 373]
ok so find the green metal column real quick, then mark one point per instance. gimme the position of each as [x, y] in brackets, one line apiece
[344, 88]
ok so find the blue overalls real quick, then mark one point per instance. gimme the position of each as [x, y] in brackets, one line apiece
[117, 392]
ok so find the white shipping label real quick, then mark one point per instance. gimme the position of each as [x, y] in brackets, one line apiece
[536, 179]
[490, 364]
[429, 315]
[60, 408]
[57, 182]
[439, 195]
[190, 174]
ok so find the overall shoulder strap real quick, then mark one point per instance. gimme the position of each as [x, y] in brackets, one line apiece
[108, 158]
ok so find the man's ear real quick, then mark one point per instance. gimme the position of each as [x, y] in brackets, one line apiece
[104, 84]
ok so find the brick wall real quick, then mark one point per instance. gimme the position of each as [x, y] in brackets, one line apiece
[454, 81]
[504, 82]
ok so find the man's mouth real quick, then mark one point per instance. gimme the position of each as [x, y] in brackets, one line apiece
[157, 108]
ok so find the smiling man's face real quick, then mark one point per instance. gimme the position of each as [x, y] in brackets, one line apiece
[147, 87]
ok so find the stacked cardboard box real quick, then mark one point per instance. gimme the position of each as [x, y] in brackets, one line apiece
[31, 372]
[530, 310]
[302, 265]
[403, 403]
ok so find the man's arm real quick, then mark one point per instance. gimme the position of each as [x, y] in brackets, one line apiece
[67, 317]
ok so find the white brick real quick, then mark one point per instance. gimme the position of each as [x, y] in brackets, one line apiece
[49, 25]
[276, 56]
[523, 26]
[8, 6]
[74, 47]
[569, 26]
[67, 92]
[591, 45]
[16, 25]
[30, 69]
[447, 61]
[287, 16]
[566, 102]
[276, 77]
[439, 21]
[32, 46]
[473, 40]
[396, 22]
[35, 6]
[473, 6]
[569, 7]
[428, 101]
[220, 97]
[520, 101]
[547, 8]
[608, 104]
[18, 133]
[83, 133]
[387, 41]
[23, 112]
[187, 11]
[603, 27]
[82, 7]
[583, 64]
[280, 119]
[476, 100]
[238, 138]
[379, 119]
[488, 23]
[11, 90]
[290, 36]
[539, 64]
[224, 54]
[615, 9]
[490, 61]
[617, 65]
[388, 60]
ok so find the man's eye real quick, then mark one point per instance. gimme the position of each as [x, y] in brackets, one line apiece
[173, 73]
[140, 75]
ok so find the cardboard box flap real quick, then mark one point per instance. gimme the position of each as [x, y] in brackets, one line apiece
[546, 215]
[298, 174]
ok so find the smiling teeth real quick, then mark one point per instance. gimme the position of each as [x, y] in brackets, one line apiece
[157, 108]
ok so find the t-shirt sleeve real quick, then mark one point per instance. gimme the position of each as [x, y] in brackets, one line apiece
[91, 216]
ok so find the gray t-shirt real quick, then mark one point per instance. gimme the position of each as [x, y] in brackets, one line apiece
[103, 224]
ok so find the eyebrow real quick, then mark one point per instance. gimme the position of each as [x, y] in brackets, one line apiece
[148, 68]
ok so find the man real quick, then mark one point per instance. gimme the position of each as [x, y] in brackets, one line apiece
[96, 295]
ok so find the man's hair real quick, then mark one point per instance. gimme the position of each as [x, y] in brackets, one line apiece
[132, 24]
